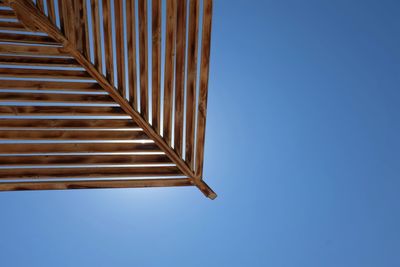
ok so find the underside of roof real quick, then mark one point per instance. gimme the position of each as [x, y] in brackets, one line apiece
[103, 93]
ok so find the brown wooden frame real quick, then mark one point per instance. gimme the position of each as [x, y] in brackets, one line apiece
[150, 149]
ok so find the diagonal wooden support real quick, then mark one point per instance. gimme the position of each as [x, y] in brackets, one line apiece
[29, 14]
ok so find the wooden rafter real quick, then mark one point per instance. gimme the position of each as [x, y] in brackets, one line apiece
[69, 46]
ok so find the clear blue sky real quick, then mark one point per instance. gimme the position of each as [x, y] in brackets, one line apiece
[303, 149]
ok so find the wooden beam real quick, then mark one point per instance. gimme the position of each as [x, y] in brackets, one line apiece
[85, 171]
[156, 64]
[77, 147]
[120, 47]
[68, 123]
[38, 61]
[169, 69]
[98, 59]
[131, 38]
[203, 85]
[143, 59]
[43, 85]
[180, 75]
[51, 134]
[108, 47]
[60, 111]
[83, 159]
[191, 81]
[54, 98]
[137, 183]
[33, 50]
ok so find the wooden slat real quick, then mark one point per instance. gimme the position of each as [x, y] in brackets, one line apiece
[143, 59]
[180, 75]
[32, 134]
[78, 24]
[7, 14]
[168, 71]
[98, 62]
[119, 33]
[85, 28]
[61, 16]
[32, 50]
[88, 172]
[11, 26]
[65, 123]
[156, 64]
[108, 49]
[43, 85]
[131, 38]
[77, 148]
[59, 110]
[54, 98]
[191, 80]
[203, 86]
[40, 73]
[68, 12]
[40, 5]
[38, 61]
[25, 38]
[137, 183]
[50, 9]
[83, 159]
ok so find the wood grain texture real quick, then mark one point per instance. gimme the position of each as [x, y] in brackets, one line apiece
[131, 43]
[137, 183]
[108, 46]
[169, 69]
[143, 59]
[120, 49]
[203, 86]
[180, 75]
[156, 64]
[44, 85]
[191, 80]
[98, 61]
[38, 61]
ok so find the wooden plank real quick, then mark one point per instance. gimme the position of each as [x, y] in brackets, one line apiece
[26, 39]
[32, 134]
[137, 183]
[180, 75]
[60, 110]
[43, 85]
[143, 59]
[7, 14]
[203, 86]
[12, 26]
[37, 61]
[83, 159]
[85, 28]
[54, 98]
[191, 80]
[120, 48]
[77, 147]
[65, 123]
[169, 69]
[51, 11]
[87, 172]
[40, 73]
[33, 50]
[156, 64]
[108, 47]
[61, 16]
[98, 61]
[68, 12]
[78, 24]
[131, 38]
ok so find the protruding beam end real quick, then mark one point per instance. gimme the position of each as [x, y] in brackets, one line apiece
[204, 188]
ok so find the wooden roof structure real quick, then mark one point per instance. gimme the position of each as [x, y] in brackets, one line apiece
[103, 93]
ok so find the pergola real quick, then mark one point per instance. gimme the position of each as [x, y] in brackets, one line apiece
[103, 93]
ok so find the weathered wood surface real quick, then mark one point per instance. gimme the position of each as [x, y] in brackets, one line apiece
[174, 117]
